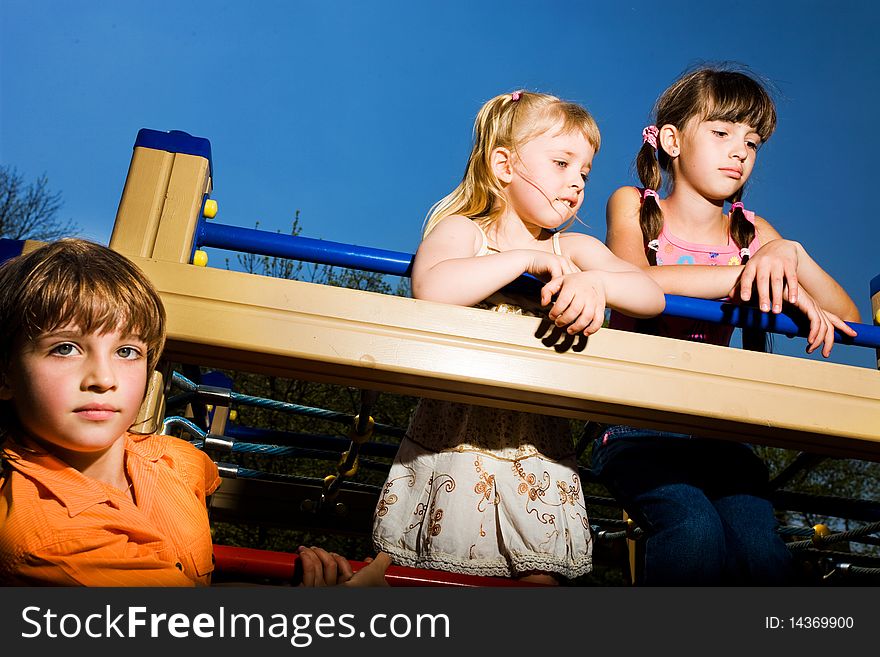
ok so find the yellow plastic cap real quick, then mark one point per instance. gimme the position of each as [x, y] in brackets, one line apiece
[200, 258]
[210, 208]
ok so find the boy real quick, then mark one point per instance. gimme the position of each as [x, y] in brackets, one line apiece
[84, 498]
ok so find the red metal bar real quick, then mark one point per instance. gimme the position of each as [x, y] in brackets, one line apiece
[253, 564]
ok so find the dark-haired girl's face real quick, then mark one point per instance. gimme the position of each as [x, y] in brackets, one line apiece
[715, 158]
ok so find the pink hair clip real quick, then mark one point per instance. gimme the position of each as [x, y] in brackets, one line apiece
[649, 192]
[515, 96]
[649, 135]
[737, 205]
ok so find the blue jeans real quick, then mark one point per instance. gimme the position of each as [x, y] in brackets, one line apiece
[701, 503]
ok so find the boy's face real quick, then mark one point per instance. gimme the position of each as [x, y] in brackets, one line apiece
[77, 391]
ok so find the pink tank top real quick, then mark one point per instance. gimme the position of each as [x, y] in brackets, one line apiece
[673, 250]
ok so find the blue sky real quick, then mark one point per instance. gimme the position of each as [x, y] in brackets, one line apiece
[359, 114]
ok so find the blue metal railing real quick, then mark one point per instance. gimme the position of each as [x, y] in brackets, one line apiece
[396, 263]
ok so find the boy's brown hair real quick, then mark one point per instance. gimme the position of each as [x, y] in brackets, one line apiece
[74, 281]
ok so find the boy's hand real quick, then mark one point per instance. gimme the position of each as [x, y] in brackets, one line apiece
[322, 568]
[580, 302]
[773, 272]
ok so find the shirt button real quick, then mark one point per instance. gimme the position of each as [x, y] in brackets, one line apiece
[179, 566]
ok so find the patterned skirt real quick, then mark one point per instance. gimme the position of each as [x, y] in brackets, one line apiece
[461, 506]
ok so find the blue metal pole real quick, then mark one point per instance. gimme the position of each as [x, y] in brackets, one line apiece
[262, 242]
[396, 263]
[718, 312]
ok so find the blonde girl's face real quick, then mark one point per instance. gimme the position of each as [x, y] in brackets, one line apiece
[715, 158]
[548, 174]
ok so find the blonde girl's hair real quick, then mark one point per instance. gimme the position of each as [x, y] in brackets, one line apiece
[707, 94]
[74, 281]
[506, 121]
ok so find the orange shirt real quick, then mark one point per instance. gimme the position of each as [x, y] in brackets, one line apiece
[59, 527]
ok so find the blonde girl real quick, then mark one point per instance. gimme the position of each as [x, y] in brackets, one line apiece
[482, 490]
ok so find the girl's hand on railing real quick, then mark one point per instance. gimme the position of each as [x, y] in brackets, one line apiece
[373, 574]
[580, 302]
[772, 272]
[822, 323]
[547, 266]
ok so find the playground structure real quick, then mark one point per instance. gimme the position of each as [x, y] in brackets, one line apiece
[381, 343]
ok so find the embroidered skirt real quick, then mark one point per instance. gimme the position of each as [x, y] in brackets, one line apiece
[495, 506]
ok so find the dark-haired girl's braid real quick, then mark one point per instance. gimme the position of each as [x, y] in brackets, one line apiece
[742, 232]
[650, 215]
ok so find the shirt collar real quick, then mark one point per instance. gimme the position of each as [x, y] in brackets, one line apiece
[71, 488]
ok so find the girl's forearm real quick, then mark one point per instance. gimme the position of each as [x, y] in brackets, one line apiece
[467, 281]
[823, 288]
[701, 281]
[633, 293]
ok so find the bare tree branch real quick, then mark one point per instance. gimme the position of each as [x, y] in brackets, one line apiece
[30, 211]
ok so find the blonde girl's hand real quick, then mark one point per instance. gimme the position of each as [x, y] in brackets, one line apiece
[822, 324]
[548, 266]
[580, 302]
[322, 568]
[771, 271]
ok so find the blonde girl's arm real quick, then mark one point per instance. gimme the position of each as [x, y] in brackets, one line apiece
[624, 239]
[824, 289]
[622, 285]
[447, 269]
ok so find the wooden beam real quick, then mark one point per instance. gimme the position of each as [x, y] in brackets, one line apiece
[301, 330]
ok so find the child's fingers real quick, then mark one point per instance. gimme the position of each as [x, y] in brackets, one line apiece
[596, 324]
[579, 315]
[563, 301]
[328, 565]
[746, 281]
[373, 574]
[344, 571]
[762, 282]
[828, 336]
[841, 325]
[383, 559]
[312, 573]
[777, 281]
[814, 339]
[549, 289]
[571, 314]
[810, 312]
[791, 281]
